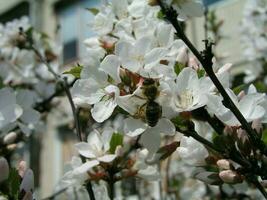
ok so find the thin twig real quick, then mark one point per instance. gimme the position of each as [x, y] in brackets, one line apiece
[75, 113]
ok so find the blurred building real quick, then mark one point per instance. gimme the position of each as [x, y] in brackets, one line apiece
[67, 22]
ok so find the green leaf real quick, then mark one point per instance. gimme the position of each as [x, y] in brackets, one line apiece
[14, 182]
[75, 71]
[1, 83]
[160, 15]
[94, 11]
[116, 140]
[201, 73]
[264, 136]
[239, 88]
[178, 67]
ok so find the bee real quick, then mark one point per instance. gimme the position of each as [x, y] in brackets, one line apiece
[152, 110]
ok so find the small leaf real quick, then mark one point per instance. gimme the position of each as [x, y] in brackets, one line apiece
[201, 73]
[116, 140]
[75, 71]
[178, 67]
[160, 15]
[264, 136]
[167, 150]
[209, 178]
[239, 88]
[94, 11]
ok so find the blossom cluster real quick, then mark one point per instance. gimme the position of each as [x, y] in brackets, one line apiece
[136, 65]
[254, 37]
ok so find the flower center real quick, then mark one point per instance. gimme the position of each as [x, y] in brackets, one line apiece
[185, 99]
[139, 58]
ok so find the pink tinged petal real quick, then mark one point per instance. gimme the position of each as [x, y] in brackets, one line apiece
[107, 158]
[165, 126]
[27, 183]
[103, 110]
[151, 140]
[84, 150]
[111, 65]
[86, 167]
[134, 127]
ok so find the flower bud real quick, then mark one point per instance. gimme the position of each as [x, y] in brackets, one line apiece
[182, 57]
[229, 176]
[11, 147]
[4, 169]
[224, 164]
[22, 168]
[193, 63]
[152, 2]
[257, 125]
[119, 151]
[10, 138]
[27, 183]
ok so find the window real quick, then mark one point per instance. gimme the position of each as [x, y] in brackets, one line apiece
[209, 2]
[73, 27]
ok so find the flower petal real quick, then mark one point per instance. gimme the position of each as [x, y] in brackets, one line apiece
[134, 127]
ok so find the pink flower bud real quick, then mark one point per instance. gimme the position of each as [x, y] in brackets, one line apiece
[229, 176]
[22, 168]
[224, 164]
[4, 169]
[182, 57]
[11, 147]
[27, 183]
[10, 138]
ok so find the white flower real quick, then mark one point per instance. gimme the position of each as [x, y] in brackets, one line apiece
[145, 171]
[139, 55]
[188, 91]
[249, 106]
[10, 111]
[95, 90]
[151, 136]
[187, 8]
[77, 173]
[97, 147]
[192, 152]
